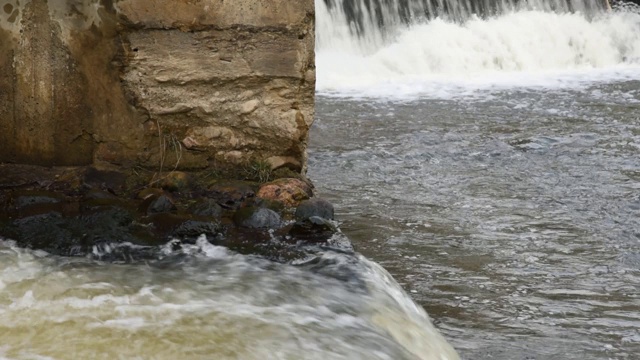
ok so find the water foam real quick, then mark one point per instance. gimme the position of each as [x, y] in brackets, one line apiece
[208, 300]
[514, 49]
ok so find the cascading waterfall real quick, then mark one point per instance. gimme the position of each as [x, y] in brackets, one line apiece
[405, 44]
[367, 17]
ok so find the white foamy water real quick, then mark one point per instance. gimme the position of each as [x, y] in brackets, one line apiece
[207, 302]
[443, 58]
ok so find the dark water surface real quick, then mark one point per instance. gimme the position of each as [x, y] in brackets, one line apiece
[512, 217]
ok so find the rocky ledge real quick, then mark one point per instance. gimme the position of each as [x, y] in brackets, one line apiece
[109, 215]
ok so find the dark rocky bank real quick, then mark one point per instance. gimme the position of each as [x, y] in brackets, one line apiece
[115, 216]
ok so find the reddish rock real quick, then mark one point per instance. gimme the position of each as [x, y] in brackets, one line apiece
[290, 192]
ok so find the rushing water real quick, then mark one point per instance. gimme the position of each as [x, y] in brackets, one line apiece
[205, 302]
[492, 165]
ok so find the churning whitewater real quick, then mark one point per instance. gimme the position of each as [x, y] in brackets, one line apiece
[378, 53]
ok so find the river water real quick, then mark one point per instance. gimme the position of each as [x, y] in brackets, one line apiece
[205, 302]
[488, 162]
[492, 166]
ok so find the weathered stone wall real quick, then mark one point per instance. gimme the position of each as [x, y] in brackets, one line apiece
[186, 83]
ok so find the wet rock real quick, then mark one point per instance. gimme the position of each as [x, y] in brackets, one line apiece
[184, 227]
[26, 198]
[73, 236]
[164, 224]
[106, 225]
[64, 208]
[14, 176]
[157, 204]
[108, 218]
[289, 191]
[232, 194]
[175, 181]
[314, 207]
[98, 195]
[148, 192]
[314, 229]
[269, 204]
[4, 203]
[111, 181]
[206, 207]
[97, 221]
[44, 231]
[192, 229]
[98, 202]
[257, 218]
[69, 225]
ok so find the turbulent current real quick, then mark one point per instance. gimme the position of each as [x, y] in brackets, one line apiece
[488, 158]
[207, 303]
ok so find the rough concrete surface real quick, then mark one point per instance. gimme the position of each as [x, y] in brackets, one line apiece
[155, 83]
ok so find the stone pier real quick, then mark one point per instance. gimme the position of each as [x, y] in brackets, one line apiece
[156, 84]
